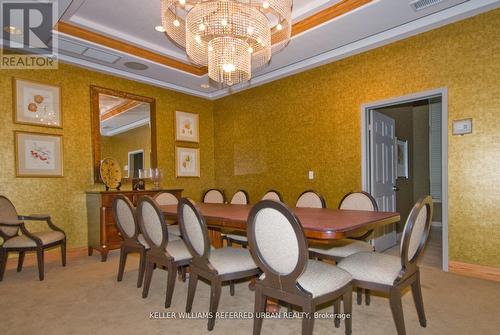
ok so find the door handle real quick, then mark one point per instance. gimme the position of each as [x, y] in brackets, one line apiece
[395, 188]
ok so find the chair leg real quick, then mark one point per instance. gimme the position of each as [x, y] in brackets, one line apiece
[63, 253]
[20, 261]
[367, 297]
[3, 261]
[229, 242]
[336, 311]
[172, 274]
[231, 288]
[214, 302]
[39, 257]
[308, 320]
[193, 280]
[397, 310]
[123, 260]
[419, 302]
[183, 273]
[347, 301]
[147, 277]
[142, 267]
[259, 309]
[359, 295]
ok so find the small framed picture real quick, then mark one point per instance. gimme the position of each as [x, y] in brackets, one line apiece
[38, 155]
[37, 104]
[186, 127]
[187, 162]
[402, 158]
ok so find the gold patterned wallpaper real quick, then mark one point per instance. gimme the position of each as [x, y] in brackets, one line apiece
[64, 198]
[270, 136]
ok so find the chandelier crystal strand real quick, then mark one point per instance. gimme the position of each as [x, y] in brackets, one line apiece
[215, 33]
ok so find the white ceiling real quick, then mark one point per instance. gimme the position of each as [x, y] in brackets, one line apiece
[375, 24]
[130, 119]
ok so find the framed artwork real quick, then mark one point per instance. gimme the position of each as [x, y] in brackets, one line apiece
[186, 127]
[37, 104]
[402, 158]
[187, 162]
[38, 155]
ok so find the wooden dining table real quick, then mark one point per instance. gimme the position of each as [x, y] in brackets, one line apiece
[320, 224]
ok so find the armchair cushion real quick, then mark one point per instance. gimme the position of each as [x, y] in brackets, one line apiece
[24, 241]
[343, 248]
[372, 267]
[230, 260]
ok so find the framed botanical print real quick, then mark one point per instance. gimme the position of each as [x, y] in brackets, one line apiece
[187, 162]
[37, 104]
[186, 127]
[38, 155]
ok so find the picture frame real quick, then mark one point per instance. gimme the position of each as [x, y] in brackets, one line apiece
[402, 158]
[36, 103]
[38, 154]
[187, 162]
[187, 127]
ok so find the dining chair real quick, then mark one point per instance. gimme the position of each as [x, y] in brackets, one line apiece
[392, 274]
[163, 253]
[273, 195]
[289, 275]
[311, 199]
[346, 247]
[217, 265]
[165, 199]
[239, 198]
[133, 241]
[214, 196]
[11, 223]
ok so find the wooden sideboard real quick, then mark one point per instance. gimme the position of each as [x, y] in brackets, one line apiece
[103, 235]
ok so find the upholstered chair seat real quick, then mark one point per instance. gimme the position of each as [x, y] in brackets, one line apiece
[238, 238]
[343, 248]
[173, 230]
[178, 250]
[373, 267]
[22, 241]
[227, 260]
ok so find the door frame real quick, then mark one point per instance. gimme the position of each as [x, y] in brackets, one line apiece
[365, 157]
[133, 152]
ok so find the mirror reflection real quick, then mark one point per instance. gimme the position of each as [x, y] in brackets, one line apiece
[125, 133]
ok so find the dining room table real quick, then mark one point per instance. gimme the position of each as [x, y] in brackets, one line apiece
[321, 225]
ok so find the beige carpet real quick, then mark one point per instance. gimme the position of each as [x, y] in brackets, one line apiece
[84, 298]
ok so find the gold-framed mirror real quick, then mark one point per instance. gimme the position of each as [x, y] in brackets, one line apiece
[123, 128]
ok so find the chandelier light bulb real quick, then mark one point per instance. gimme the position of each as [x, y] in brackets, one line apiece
[202, 27]
[250, 30]
[279, 26]
[182, 2]
[250, 49]
[197, 38]
[177, 23]
[265, 4]
[228, 67]
[223, 22]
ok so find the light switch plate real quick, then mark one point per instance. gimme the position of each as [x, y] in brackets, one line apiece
[311, 175]
[462, 127]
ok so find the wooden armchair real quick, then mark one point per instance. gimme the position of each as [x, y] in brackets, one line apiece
[10, 225]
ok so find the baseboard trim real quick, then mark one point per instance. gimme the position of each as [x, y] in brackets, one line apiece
[50, 256]
[473, 270]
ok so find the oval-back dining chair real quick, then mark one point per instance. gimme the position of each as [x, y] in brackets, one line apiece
[165, 199]
[214, 196]
[273, 195]
[311, 199]
[288, 273]
[392, 274]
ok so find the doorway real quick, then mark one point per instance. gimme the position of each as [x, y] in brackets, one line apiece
[404, 156]
[135, 163]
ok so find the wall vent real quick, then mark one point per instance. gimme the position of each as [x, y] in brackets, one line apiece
[422, 4]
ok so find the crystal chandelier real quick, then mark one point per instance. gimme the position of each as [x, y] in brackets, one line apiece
[230, 37]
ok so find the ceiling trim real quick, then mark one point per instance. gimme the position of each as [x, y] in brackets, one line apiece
[84, 34]
[121, 108]
[127, 127]
[327, 14]
[308, 23]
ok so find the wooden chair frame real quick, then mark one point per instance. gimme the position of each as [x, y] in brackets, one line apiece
[201, 267]
[285, 287]
[231, 241]
[321, 198]
[39, 248]
[157, 255]
[364, 237]
[130, 243]
[410, 273]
